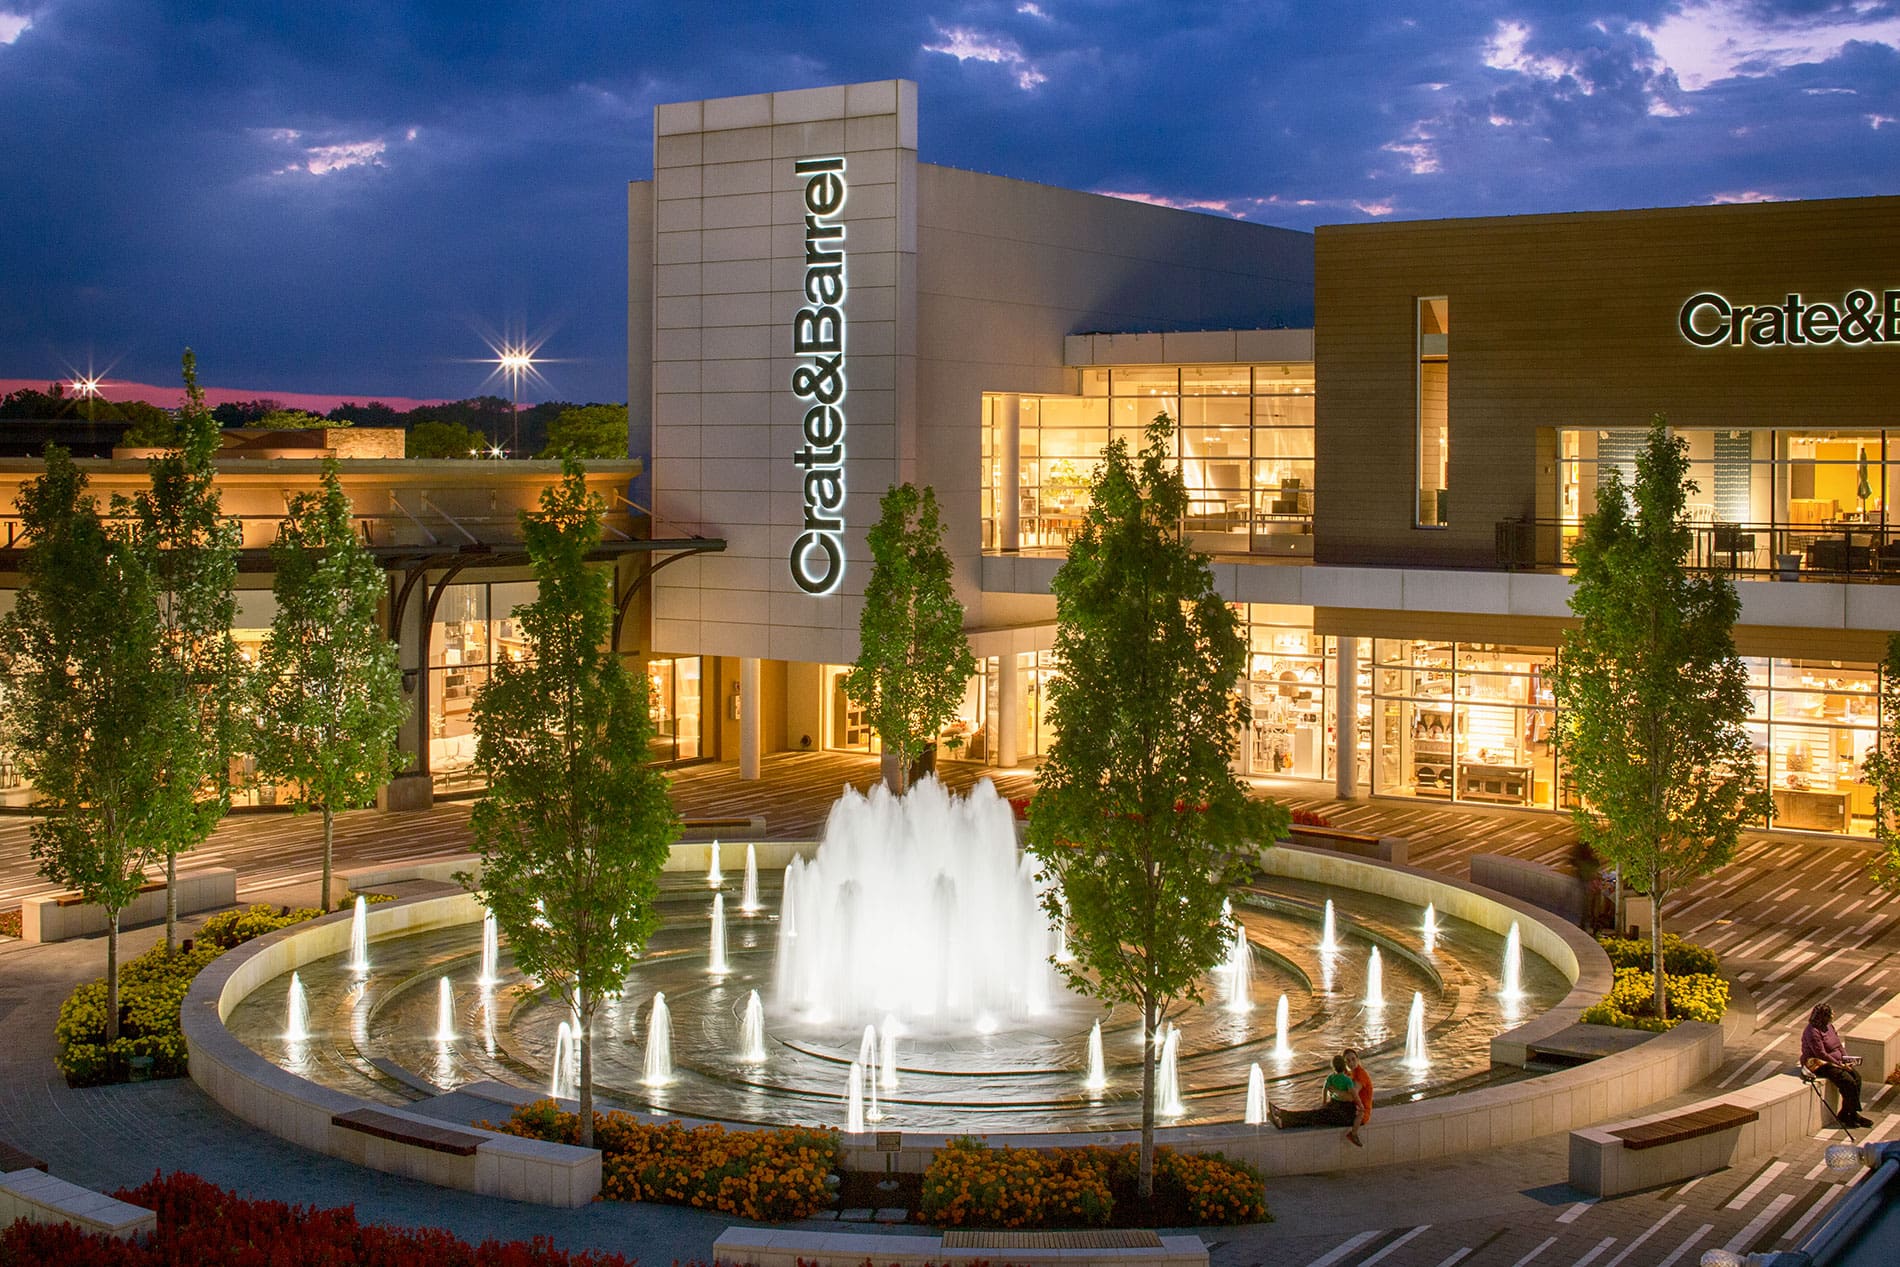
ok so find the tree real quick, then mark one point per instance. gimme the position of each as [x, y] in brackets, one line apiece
[328, 689]
[913, 660]
[575, 824]
[1652, 701]
[190, 549]
[588, 431]
[1882, 770]
[1138, 818]
[433, 438]
[292, 420]
[86, 713]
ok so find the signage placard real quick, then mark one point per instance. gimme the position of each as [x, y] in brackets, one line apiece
[818, 341]
[1710, 320]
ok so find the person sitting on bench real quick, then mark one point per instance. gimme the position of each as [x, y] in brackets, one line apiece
[1339, 1107]
[1823, 1056]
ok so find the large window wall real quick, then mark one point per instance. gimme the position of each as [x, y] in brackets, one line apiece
[1243, 439]
[676, 687]
[1765, 497]
[474, 630]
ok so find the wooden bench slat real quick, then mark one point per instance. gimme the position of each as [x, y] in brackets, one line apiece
[12, 1159]
[1112, 1238]
[441, 1139]
[1685, 1126]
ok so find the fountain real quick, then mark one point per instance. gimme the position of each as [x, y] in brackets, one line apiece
[714, 877]
[749, 895]
[1375, 980]
[1063, 953]
[1240, 973]
[1280, 1049]
[854, 1101]
[1431, 928]
[565, 1076]
[359, 936]
[1098, 1070]
[752, 1031]
[787, 925]
[444, 1011]
[1415, 1057]
[296, 1012]
[887, 1056]
[716, 956]
[659, 1059]
[1168, 1077]
[1511, 981]
[1328, 938]
[873, 1113]
[867, 1048]
[918, 907]
[1256, 1096]
[491, 953]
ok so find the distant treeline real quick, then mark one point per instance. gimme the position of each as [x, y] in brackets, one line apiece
[453, 429]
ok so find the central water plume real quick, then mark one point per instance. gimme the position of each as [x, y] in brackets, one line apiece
[444, 1011]
[749, 894]
[1240, 973]
[716, 946]
[491, 952]
[1375, 980]
[1098, 1070]
[919, 907]
[1256, 1096]
[752, 1031]
[1280, 1049]
[1431, 928]
[1329, 932]
[1415, 1053]
[1168, 1077]
[359, 936]
[296, 1012]
[1511, 981]
[658, 1069]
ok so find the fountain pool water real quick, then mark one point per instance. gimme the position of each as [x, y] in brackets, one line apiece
[296, 1012]
[359, 936]
[749, 894]
[658, 1068]
[1073, 1068]
[1256, 1112]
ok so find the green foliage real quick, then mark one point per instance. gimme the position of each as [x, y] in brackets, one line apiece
[913, 660]
[1652, 700]
[1138, 818]
[970, 1184]
[190, 549]
[575, 824]
[87, 711]
[152, 992]
[1632, 1001]
[1679, 957]
[327, 693]
[291, 420]
[587, 432]
[433, 438]
[1882, 770]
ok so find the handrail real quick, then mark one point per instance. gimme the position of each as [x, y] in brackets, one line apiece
[1838, 550]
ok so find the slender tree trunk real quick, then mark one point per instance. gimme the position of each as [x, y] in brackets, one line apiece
[1145, 1175]
[1656, 950]
[112, 975]
[329, 836]
[587, 1073]
[171, 902]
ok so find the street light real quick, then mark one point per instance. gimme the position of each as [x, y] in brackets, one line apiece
[515, 360]
[87, 389]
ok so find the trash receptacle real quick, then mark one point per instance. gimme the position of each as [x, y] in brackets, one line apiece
[1787, 567]
[141, 1068]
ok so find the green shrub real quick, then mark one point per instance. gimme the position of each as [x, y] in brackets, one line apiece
[1694, 996]
[1680, 958]
[152, 989]
[970, 1184]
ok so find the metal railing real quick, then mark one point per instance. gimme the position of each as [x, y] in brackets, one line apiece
[1836, 551]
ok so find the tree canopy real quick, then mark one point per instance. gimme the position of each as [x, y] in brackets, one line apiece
[588, 432]
[327, 697]
[1882, 770]
[1652, 700]
[913, 659]
[576, 823]
[1138, 818]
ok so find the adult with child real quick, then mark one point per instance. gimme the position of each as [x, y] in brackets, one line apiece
[1823, 1055]
[1362, 1094]
[1339, 1103]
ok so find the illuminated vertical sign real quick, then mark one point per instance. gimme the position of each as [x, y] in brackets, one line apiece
[818, 341]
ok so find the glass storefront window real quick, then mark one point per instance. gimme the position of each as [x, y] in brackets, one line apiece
[1464, 721]
[677, 699]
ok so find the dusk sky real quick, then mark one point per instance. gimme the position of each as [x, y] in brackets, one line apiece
[347, 199]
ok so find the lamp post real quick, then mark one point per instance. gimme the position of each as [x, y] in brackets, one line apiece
[515, 359]
[87, 389]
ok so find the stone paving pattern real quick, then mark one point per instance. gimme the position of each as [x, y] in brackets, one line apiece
[1794, 919]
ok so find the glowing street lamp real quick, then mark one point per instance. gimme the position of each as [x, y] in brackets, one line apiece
[87, 389]
[515, 360]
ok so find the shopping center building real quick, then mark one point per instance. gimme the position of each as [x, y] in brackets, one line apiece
[814, 314]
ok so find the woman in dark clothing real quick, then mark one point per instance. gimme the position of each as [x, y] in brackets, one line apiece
[1340, 1106]
[1823, 1056]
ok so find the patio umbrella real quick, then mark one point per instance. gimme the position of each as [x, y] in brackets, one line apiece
[1863, 489]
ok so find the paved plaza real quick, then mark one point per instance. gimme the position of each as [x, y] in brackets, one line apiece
[1794, 920]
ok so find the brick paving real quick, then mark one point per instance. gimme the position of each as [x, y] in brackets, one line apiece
[1794, 919]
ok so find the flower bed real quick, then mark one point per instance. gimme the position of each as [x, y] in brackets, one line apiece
[970, 1184]
[152, 988]
[1692, 973]
[1310, 818]
[766, 1175]
[10, 923]
[201, 1223]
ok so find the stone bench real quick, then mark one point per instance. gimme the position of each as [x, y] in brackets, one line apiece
[1875, 1038]
[402, 1130]
[38, 1197]
[1384, 848]
[705, 830]
[1692, 1139]
[62, 916]
[765, 1247]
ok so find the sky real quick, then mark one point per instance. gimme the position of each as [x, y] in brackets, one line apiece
[358, 200]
